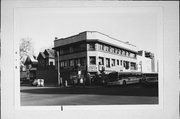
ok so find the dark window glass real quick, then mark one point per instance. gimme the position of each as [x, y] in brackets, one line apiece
[113, 62]
[92, 60]
[107, 62]
[91, 46]
[101, 61]
[117, 62]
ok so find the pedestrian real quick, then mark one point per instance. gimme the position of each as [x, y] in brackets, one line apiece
[81, 81]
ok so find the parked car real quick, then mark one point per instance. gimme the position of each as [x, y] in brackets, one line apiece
[38, 82]
[150, 81]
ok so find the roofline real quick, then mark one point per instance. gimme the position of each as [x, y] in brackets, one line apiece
[98, 41]
[97, 32]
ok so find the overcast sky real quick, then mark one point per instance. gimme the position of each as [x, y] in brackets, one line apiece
[42, 25]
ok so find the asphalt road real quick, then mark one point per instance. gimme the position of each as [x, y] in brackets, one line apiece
[131, 94]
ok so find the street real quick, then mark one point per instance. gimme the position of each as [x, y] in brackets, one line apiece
[99, 95]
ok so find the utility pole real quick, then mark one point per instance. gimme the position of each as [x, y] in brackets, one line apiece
[58, 69]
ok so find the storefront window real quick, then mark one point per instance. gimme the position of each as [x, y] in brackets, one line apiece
[92, 60]
[126, 64]
[101, 61]
[107, 62]
[71, 62]
[117, 62]
[133, 66]
[113, 62]
[83, 61]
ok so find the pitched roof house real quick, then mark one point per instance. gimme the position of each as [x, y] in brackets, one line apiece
[46, 59]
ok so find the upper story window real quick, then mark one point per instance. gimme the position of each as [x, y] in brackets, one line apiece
[62, 64]
[101, 47]
[77, 48]
[51, 63]
[123, 53]
[111, 49]
[61, 52]
[92, 60]
[133, 66]
[91, 46]
[71, 49]
[106, 48]
[83, 46]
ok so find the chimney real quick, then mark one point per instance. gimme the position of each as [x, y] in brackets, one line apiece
[56, 38]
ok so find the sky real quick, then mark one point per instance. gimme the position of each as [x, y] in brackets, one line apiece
[42, 25]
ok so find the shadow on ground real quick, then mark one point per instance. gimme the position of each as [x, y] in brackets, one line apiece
[131, 90]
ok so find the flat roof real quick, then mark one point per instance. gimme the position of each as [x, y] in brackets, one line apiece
[96, 36]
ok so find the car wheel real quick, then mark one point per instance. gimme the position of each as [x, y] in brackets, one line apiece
[124, 82]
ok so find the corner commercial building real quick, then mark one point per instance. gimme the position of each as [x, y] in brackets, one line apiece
[92, 52]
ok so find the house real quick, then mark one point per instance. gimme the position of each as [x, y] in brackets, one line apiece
[46, 59]
[31, 65]
[46, 67]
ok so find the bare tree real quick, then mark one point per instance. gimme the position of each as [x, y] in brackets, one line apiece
[26, 49]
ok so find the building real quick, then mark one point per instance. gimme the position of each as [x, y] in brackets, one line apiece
[46, 67]
[46, 59]
[93, 52]
[31, 65]
[146, 62]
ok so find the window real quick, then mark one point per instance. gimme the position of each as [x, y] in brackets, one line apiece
[76, 62]
[62, 64]
[133, 55]
[120, 52]
[83, 46]
[129, 54]
[101, 47]
[65, 63]
[61, 52]
[105, 48]
[51, 63]
[117, 62]
[91, 46]
[92, 60]
[76, 48]
[101, 61]
[133, 66]
[71, 49]
[111, 49]
[113, 62]
[116, 50]
[123, 52]
[121, 62]
[71, 62]
[126, 64]
[83, 61]
[107, 62]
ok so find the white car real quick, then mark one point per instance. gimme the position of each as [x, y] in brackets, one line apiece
[38, 82]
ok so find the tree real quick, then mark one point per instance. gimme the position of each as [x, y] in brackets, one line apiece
[26, 49]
